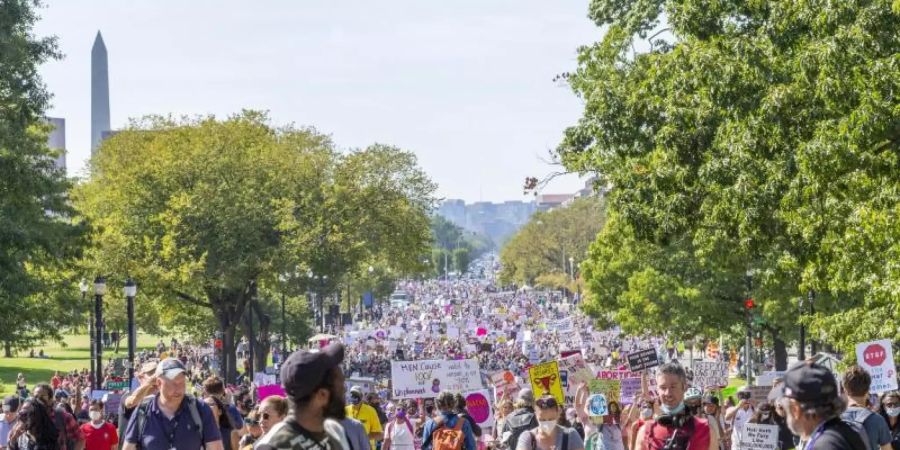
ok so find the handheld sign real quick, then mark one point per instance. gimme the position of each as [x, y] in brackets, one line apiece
[597, 405]
[642, 360]
[877, 358]
[759, 437]
[710, 374]
[545, 380]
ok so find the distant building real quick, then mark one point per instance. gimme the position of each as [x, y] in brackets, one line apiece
[499, 221]
[57, 140]
[546, 202]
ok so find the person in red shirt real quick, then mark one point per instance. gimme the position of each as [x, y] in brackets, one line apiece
[55, 381]
[675, 428]
[98, 433]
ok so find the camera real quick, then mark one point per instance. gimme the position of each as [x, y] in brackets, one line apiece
[744, 395]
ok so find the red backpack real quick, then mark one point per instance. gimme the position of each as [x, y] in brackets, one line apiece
[444, 438]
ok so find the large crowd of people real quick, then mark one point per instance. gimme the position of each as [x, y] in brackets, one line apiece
[336, 394]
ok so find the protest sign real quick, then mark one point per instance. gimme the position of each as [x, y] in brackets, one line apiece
[759, 394]
[643, 359]
[453, 333]
[479, 407]
[609, 388]
[617, 374]
[505, 384]
[263, 379]
[597, 405]
[111, 402]
[427, 378]
[631, 387]
[545, 380]
[877, 358]
[759, 437]
[576, 368]
[268, 391]
[710, 374]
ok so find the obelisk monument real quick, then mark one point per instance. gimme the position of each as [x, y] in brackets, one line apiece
[99, 93]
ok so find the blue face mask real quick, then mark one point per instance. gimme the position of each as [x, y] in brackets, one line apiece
[672, 411]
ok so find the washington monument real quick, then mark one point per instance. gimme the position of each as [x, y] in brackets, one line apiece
[99, 93]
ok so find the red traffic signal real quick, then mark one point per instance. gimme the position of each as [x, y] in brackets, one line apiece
[749, 303]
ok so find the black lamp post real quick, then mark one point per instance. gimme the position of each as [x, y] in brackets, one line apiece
[99, 292]
[83, 286]
[130, 293]
[748, 357]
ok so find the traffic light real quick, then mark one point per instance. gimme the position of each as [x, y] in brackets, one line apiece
[749, 304]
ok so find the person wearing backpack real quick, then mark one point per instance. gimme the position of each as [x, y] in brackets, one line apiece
[70, 435]
[856, 382]
[172, 419]
[549, 435]
[519, 421]
[809, 398]
[448, 431]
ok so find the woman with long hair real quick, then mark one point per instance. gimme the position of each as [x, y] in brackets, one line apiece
[34, 430]
[272, 409]
[230, 435]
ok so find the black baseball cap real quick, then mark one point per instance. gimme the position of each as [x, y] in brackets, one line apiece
[170, 368]
[10, 403]
[303, 371]
[711, 400]
[807, 382]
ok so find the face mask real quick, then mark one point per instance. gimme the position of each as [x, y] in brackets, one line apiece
[355, 400]
[672, 411]
[763, 417]
[646, 413]
[893, 412]
[401, 414]
[95, 415]
[547, 426]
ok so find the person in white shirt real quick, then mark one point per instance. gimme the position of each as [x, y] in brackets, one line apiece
[738, 416]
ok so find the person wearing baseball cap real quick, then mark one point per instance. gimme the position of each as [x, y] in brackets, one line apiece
[146, 387]
[812, 407]
[314, 384]
[10, 410]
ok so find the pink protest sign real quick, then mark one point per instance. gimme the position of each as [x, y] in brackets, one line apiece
[479, 407]
[269, 390]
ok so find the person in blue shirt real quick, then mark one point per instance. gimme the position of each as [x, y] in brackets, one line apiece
[170, 420]
[446, 404]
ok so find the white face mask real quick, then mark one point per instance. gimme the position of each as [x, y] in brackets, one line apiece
[646, 413]
[95, 415]
[893, 412]
[547, 426]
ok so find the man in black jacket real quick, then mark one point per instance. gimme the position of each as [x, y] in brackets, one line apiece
[520, 421]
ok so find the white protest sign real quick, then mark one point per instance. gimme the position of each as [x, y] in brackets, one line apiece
[427, 378]
[759, 437]
[710, 374]
[453, 333]
[877, 358]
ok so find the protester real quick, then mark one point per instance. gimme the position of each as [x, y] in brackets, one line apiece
[712, 414]
[890, 411]
[231, 435]
[356, 434]
[147, 386]
[10, 413]
[675, 428]
[448, 431]
[314, 383]
[399, 433]
[548, 435]
[766, 415]
[464, 413]
[812, 407]
[172, 418]
[366, 414]
[856, 383]
[98, 433]
[272, 409]
[519, 421]
[34, 429]
[738, 415]
[215, 387]
[68, 433]
[252, 431]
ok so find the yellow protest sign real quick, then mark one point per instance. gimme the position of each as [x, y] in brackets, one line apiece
[545, 380]
[609, 388]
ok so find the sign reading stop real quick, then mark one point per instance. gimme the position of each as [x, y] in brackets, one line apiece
[874, 355]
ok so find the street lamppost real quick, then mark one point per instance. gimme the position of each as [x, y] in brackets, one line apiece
[748, 360]
[371, 273]
[83, 286]
[99, 292]
[130, 292]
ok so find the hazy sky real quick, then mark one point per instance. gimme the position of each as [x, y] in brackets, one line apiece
[465, 84]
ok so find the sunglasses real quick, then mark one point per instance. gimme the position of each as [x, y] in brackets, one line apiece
[251, 422]
[546, 403]
[265, 416]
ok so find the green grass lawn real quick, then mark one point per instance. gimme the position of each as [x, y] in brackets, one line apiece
[74, 355]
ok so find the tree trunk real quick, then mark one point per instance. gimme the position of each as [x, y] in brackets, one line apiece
[264, 343]
[780, 347]
[228, 308]
[7, 350]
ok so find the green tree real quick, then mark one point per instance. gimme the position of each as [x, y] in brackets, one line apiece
[766, 129]
[461, 259]
[37, 238]
[207, 213]
[551, 241]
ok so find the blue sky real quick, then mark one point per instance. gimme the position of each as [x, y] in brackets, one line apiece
[466, 84]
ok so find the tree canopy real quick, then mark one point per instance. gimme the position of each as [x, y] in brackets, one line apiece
[759, 136]
[210, 213]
